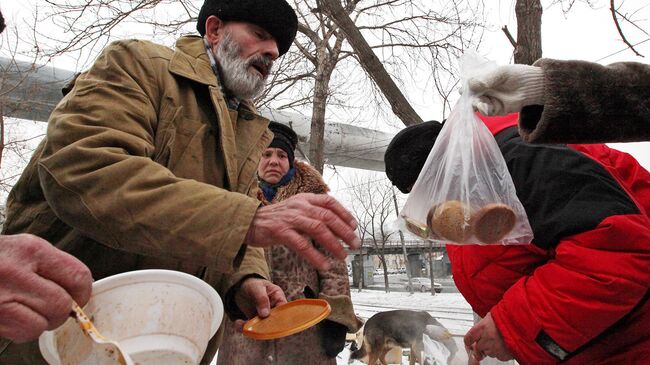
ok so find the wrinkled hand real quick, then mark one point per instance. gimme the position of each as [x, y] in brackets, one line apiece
[484, 339]
[294, 222]
[256, 297]
[37, 285]
[507, 89]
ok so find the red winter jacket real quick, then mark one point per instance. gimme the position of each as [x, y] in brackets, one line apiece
[579, 293]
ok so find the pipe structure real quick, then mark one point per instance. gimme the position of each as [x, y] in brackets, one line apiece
[30, 91]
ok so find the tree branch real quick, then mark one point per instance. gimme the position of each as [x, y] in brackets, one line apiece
[620, 31]
[509, 36]
[370, 63]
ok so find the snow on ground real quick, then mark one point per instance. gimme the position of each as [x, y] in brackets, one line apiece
[450, 309]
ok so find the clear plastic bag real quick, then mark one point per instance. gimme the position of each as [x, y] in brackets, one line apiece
[438, 346]
[434, 353]
[464, 193]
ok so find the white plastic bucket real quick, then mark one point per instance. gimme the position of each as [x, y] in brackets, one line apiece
[159, 317]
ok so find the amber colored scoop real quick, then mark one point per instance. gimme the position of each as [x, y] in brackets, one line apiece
[104, 351]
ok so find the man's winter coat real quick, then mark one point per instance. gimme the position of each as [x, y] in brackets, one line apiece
[579, 292]
[297, 279]
[587, 102]
[144, 166]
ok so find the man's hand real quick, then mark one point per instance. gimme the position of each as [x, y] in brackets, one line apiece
[256, 297]
[37, 285]
[484, 339]
[507, 89]
[294, 222]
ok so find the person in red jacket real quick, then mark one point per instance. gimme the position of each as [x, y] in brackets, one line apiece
[578, 294]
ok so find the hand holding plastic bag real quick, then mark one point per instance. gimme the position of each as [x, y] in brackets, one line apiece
[464, 193]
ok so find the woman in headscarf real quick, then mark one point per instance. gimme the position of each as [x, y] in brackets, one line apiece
[280, 177]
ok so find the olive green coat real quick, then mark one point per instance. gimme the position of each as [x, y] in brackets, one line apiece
[144, 166]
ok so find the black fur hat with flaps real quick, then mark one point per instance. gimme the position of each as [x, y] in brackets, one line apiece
[284, 138]
[275, 16]
[407, 153]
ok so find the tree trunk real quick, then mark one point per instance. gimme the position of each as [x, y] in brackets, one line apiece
[317, 134]
[382, 259]
[433, 290]
[529, 31]
[2, 132]
[370, 63]
[326, 60]
[401, 238]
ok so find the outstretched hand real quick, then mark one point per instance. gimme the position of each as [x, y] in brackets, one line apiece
[484, 339]
[296, 221]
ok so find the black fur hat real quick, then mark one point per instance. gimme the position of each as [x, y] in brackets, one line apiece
[284, 138]
[2, 23]
[407, 153]
[275, 16]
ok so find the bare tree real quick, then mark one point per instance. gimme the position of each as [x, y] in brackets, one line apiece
[316, 76]
[373, 208]
[529, 31]
[370, 62]
[400, 30]
[528, 47]
[16, 87]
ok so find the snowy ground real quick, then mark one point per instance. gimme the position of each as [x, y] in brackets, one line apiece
[450, 309]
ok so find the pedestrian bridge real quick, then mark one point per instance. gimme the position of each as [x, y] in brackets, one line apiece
[394, 247]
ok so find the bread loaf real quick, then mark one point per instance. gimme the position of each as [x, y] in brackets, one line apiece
[493, 222]
[450, 220]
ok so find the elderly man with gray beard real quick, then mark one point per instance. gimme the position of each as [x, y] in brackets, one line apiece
[150, 162]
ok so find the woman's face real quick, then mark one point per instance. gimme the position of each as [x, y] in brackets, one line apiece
[273, 165]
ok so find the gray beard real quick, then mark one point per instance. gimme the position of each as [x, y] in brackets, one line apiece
[236, 78]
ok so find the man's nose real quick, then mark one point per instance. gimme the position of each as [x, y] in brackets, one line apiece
[270, 48]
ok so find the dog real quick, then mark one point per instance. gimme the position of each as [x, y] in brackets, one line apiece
[400, 328]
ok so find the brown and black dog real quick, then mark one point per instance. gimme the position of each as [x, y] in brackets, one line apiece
[400, 328]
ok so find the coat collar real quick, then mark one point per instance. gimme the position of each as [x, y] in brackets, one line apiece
[190, 61]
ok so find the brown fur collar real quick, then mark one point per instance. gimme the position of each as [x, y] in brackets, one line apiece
[306, 180]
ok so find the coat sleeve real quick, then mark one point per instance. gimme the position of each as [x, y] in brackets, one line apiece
[596, 278]
[587, 103]
[99, 175]
[335, 288]
[335, 280]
